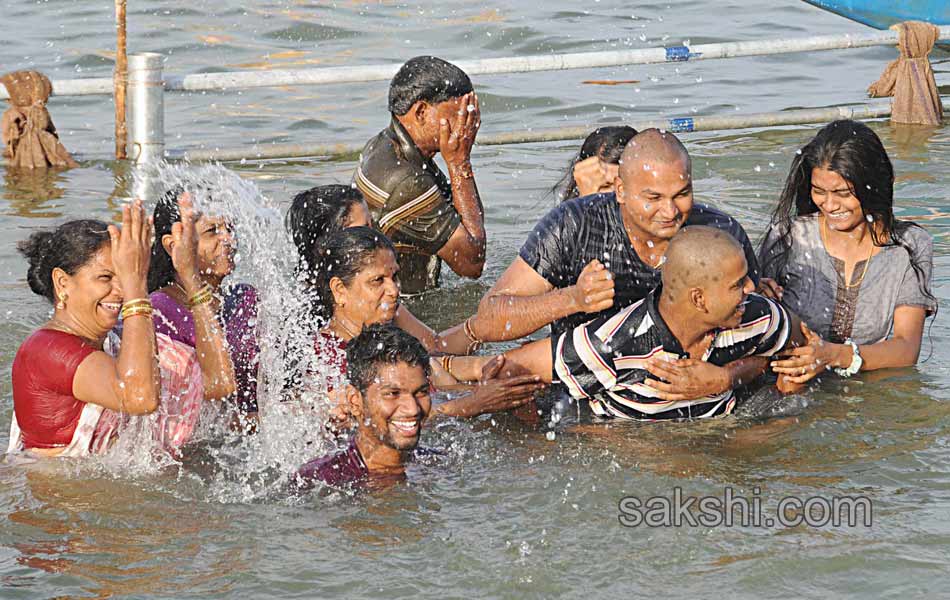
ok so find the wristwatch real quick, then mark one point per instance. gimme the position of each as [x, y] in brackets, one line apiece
[856, 361]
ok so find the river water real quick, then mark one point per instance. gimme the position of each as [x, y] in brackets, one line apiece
[508, 511]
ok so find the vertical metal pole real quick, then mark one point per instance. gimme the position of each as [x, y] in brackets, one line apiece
[147, 108]
[120, 79]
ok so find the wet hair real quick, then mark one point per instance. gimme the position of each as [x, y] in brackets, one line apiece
[604, 142]
[429, 79]
[316, 213]
[68, 247]
[161, 270]
[853, 151]
[378, 345]
[343, 255]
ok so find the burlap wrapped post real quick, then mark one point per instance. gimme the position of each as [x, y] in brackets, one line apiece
[29, 136]
[910, 79]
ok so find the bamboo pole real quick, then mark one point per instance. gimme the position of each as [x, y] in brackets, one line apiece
[120, 79]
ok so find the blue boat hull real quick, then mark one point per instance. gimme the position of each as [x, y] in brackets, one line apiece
[884, 13]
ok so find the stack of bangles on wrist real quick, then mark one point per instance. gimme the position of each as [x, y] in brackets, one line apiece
[446, 361]
[136, 307]
[202, 296]
[474, 342]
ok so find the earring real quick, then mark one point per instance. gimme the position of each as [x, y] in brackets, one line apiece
[62, 301]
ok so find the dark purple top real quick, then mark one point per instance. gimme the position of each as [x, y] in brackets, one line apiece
[239, 313]
[336, 470]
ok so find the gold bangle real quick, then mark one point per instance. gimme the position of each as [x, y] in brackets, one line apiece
[202, 296]
[447, 364]
[137, 314]
[136, 306]
[136, 311]
[475, 343]
[137, 302]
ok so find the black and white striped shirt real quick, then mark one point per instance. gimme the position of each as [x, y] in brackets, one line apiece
[603, 361]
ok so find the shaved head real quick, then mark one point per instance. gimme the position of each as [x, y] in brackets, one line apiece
[650, 149]
[696, 257]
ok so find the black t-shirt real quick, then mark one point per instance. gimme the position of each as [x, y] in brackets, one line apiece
[582, 229]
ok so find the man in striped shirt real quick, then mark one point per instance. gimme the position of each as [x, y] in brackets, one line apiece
[427, 215]
[702, 316]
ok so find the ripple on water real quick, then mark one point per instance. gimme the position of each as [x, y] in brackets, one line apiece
[311, 32]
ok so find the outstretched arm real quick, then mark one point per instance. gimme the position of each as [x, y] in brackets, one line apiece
[496, 392]
[530, 359]
[522, 301]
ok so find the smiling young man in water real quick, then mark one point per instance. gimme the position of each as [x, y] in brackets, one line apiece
[388, 396]
[704, 314]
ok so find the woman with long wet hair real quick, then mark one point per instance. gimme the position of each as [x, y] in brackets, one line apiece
[597, 164]
[195, 307]
[857, 276]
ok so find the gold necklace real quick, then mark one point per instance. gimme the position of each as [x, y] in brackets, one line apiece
[57, 325]
[867, 262]
[343, 326]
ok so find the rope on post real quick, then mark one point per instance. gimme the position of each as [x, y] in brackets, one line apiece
[120, 78]
[677, 125]
[513, 64]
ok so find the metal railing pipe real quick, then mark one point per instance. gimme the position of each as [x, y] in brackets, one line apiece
[871, 110]
[538, 62]
[511, 64]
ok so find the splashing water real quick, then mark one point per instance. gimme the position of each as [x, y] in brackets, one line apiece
[292, 382]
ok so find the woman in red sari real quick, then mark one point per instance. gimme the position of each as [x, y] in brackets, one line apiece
[73, 384]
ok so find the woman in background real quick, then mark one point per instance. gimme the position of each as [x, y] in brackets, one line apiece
[596, 165]
[319, 212]
[195, 307]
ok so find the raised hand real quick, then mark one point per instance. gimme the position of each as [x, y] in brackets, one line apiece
[594, 290]
[592, 175]
[184, 245]
[131, 250]
[457, 137]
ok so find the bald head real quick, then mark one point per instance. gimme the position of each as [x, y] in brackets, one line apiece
[651, 149]
[696, 257]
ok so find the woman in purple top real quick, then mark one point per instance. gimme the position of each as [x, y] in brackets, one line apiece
[235, 305]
